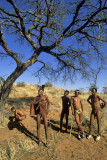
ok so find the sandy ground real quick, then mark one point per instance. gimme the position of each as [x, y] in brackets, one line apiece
[21, 142]
[62, 145]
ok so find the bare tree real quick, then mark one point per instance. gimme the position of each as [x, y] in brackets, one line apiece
[46, 25]
[105, 90]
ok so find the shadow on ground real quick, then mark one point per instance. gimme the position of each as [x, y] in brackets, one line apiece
[21, 128]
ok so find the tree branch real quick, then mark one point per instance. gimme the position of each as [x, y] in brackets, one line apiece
[8, 51]
[18, 14]
[47, 21]
[65, 63]
[12, 15]
[75, 16]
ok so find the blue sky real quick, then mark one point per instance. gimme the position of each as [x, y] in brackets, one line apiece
[8, 65]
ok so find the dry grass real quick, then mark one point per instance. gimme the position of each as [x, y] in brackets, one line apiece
[21, 97]
[18, 146]
[15, 147]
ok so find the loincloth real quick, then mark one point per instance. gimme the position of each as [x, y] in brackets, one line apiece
[95, 111]
[78, 111]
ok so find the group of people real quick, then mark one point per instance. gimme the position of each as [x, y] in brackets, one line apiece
[40, 106]
[77, 110]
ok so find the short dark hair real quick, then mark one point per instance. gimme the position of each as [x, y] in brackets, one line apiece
[77, 91]
[94, 88]
[66, 91]
[12, 108]
[40, 89]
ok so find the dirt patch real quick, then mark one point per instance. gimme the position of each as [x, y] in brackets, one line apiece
[20, 143]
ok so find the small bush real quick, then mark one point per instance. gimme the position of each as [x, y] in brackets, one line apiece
[21, 84]
[48, 84]
[105, 90]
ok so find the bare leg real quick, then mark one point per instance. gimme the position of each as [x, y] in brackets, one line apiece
[80, 119]
[91, 122]
[22, 118]
[61, 120]
[78, 123]
[46, 127]
[38, 126]
[99, 121]
[66, 121]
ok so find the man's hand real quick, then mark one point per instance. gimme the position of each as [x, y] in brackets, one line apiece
[72, 112]
[47, 112]
[17, 116]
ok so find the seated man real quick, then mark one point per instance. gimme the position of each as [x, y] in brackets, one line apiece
[18, 116]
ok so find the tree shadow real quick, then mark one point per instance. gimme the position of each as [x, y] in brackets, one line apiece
[21, 128]
[19, 101]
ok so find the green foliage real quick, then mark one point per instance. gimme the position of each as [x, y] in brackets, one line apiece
[21, 84]
[48, 84]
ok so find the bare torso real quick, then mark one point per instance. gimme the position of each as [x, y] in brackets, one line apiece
[39, 100]
[95, 102]
[42, 103]
[65, 103]
[19, 115]
[76, 103]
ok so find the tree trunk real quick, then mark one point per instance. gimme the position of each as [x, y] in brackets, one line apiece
[7, 85]
[3, 99]
[6, 89]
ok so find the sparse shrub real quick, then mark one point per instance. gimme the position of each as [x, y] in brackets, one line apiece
[21, 84]
[105, 90]
[48, 84]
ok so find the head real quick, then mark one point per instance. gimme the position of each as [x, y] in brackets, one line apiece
[77, 93]
[66, 92]
[40, 92]
[94, 91]
[13, 109]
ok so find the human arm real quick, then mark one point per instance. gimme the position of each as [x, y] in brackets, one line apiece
[104, 102]
[48, 103]
[88, 100]
[81, 105]
[19, 114]
[37, 100]
[72, 107]
[34, 101]
[69, 102]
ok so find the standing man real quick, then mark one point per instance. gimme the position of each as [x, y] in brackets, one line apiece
[77, 110]
[65, 109]
[94, 101]
[40, 106]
